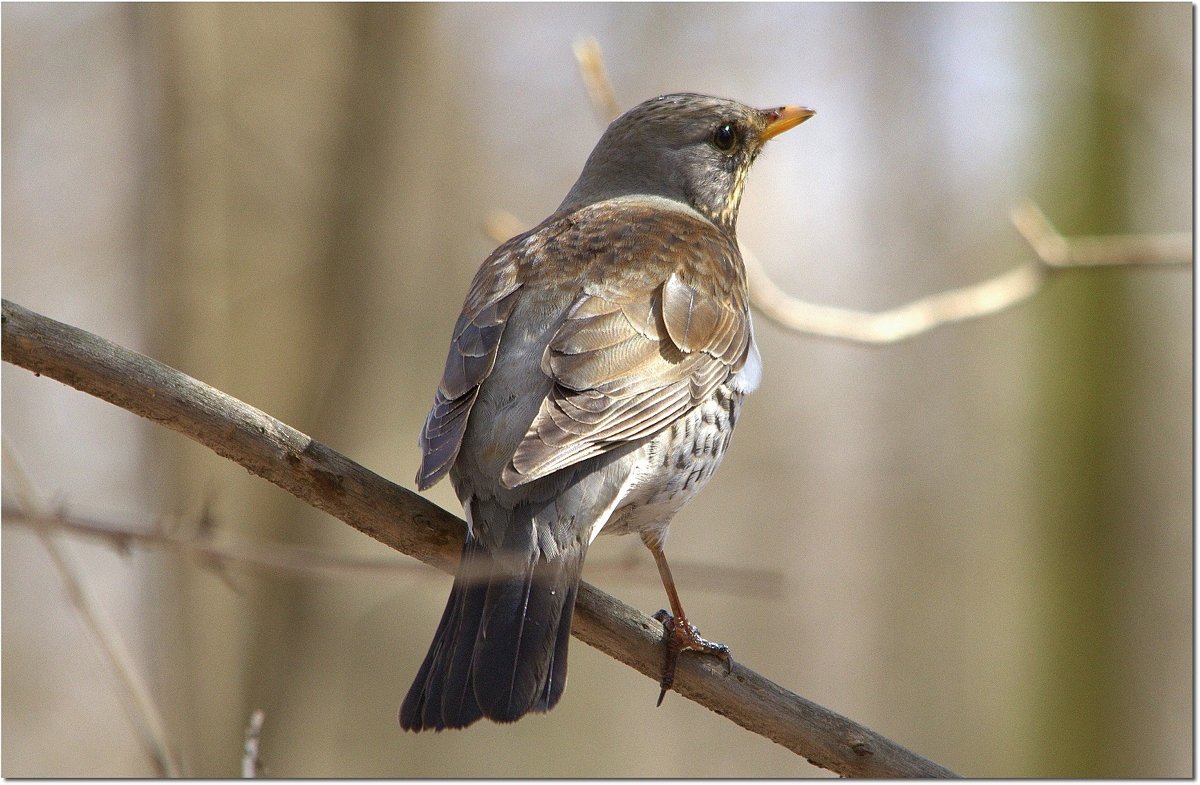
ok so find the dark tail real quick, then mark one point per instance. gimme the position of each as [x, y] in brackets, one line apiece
[500, 650]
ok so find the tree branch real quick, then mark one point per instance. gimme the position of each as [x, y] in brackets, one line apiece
[1052, 252]
[209, 551]
[408, 523]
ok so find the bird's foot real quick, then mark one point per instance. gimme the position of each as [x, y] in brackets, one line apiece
[680, 636]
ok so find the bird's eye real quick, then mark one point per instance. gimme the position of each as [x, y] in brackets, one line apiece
[724, 137]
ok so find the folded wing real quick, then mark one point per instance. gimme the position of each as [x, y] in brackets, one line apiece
[624, 367]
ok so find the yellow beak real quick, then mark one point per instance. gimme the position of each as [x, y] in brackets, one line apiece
[783, 118]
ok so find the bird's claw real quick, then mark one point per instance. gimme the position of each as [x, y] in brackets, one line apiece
[679, 638]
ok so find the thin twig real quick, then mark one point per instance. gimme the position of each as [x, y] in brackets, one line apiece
[501, 225]
[131, 690]
[1054, 250]
[406, 522]
[275, 556]
[320, 562]
[906, 321]
[1051, 250]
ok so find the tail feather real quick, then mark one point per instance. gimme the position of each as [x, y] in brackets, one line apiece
[516, 645]
[441, 695]
[458, 698]
[500, 650]
[452, 702]
[558, 665]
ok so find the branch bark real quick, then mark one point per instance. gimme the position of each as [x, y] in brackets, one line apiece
[408, 523]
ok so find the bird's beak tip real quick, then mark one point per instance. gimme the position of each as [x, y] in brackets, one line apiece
[783, 118]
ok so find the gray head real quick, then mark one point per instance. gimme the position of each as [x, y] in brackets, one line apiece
[686, 147]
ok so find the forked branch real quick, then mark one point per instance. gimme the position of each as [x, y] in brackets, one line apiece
[1051, 250]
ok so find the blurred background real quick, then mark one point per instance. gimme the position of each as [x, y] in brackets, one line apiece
[977, 542]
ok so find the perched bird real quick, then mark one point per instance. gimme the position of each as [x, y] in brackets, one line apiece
[592, 383]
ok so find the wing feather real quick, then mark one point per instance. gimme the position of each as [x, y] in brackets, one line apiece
[626, 369]
[470, 359]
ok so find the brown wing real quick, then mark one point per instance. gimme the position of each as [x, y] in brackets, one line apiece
[471, 357]
[625, 366]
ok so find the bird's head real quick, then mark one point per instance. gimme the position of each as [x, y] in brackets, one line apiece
[689, 148]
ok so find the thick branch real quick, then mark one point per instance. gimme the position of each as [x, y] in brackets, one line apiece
[408, 523]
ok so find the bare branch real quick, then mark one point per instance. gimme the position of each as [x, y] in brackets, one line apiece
[919, 316]
[1054, 250]
[276, 556]
[501, 225]
[406, 522]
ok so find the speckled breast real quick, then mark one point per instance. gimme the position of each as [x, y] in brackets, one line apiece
[674, 465]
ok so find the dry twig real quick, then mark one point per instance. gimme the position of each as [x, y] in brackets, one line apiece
[211, 553]
[1051, 250]
[406, 522]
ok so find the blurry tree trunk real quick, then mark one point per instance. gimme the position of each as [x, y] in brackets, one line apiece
[275, 121]
[1087, 382]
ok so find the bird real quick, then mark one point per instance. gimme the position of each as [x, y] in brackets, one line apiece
[592, 383]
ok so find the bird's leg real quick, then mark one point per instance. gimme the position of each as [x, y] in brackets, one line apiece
[679, 635]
